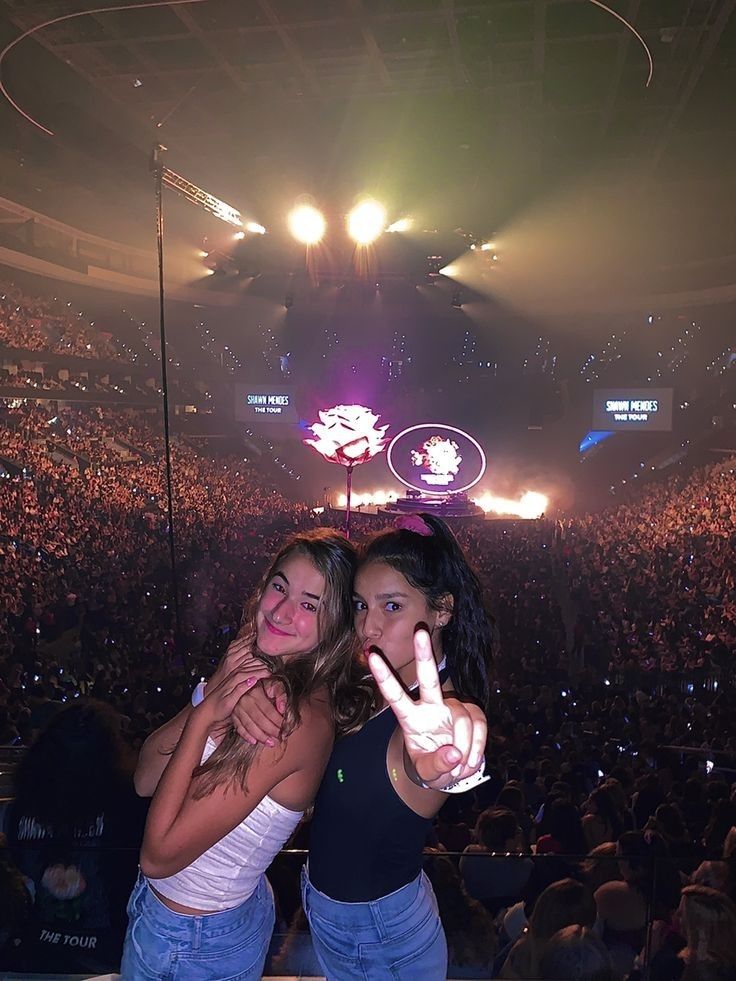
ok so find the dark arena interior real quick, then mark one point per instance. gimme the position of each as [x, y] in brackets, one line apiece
[447, 290]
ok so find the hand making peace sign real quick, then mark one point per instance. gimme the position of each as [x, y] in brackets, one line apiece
[444, 738]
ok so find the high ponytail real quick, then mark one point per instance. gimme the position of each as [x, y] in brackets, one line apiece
[428, 555]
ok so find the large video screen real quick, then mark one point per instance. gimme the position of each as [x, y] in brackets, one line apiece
[265, 404]
[434, 458]
[632, 408]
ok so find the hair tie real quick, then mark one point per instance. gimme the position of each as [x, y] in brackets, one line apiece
[415, 523]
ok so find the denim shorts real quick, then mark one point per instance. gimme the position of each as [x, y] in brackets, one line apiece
[162, 945]
[398, 936]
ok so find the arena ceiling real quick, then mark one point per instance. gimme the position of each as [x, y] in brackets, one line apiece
[468, 110]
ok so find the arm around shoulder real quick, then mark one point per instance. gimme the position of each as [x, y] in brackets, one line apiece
[182, 826]
[156, 752]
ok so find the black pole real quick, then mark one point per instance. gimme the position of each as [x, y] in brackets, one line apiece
[157, 168]
[350, 491]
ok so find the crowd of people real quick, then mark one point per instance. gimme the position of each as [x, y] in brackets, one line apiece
[33, 323]
[89, 546]
[604, 836]
[655, 580]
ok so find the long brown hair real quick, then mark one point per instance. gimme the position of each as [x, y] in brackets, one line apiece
[562, 903]
[330, 665]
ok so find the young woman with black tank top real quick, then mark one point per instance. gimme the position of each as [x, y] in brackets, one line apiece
[371, 909]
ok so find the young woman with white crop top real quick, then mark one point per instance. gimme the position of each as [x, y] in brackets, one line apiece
[202, 907]
[371, 909]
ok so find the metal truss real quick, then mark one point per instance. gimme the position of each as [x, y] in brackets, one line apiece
[196, 195]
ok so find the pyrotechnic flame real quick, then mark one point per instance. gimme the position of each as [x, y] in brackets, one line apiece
[529, 505]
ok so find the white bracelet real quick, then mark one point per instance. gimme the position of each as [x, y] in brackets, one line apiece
[467, 783]
[198, 693]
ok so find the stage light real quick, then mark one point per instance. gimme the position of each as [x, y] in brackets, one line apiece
[255, 228]
[487, 247]
[402, 225]
[449, 270]
[306, 224]
[239, 235]
[457, 299]
[366, 222]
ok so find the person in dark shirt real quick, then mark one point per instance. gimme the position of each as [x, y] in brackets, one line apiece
[74, 829]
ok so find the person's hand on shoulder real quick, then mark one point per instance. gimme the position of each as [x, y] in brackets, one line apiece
[217, 705]
[258, 716]
[238, 655]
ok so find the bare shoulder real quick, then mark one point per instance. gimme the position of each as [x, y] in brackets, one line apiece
[316, 713]
[304, 757]
[316, 728]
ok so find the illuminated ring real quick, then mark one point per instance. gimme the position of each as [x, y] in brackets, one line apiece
[452, 429]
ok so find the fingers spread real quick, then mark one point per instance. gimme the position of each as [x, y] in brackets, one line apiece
[390, 687]
[430, 689]
[479, 737]
[462, 736]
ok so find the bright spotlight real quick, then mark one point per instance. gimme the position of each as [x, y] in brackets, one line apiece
[255, 228]
[402, 225]
[306, 224]
[487, 247]
[239, 236]
[366, 222]
[449, 270]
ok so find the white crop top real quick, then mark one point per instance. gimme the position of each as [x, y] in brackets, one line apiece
[226, 874]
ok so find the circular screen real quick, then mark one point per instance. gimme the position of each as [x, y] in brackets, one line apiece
[436, 459]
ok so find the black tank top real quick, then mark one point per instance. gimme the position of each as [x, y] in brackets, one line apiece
[364, 841]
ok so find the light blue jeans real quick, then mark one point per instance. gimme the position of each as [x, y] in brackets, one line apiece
[161, 945]
[398, 936]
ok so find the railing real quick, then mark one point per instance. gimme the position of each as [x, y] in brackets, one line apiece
[481, 932]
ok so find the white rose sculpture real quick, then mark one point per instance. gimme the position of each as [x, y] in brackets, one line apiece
[348, 435]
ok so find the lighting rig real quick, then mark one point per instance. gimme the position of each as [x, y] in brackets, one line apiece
[163, 175]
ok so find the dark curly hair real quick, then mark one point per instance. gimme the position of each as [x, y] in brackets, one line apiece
[436, 565]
